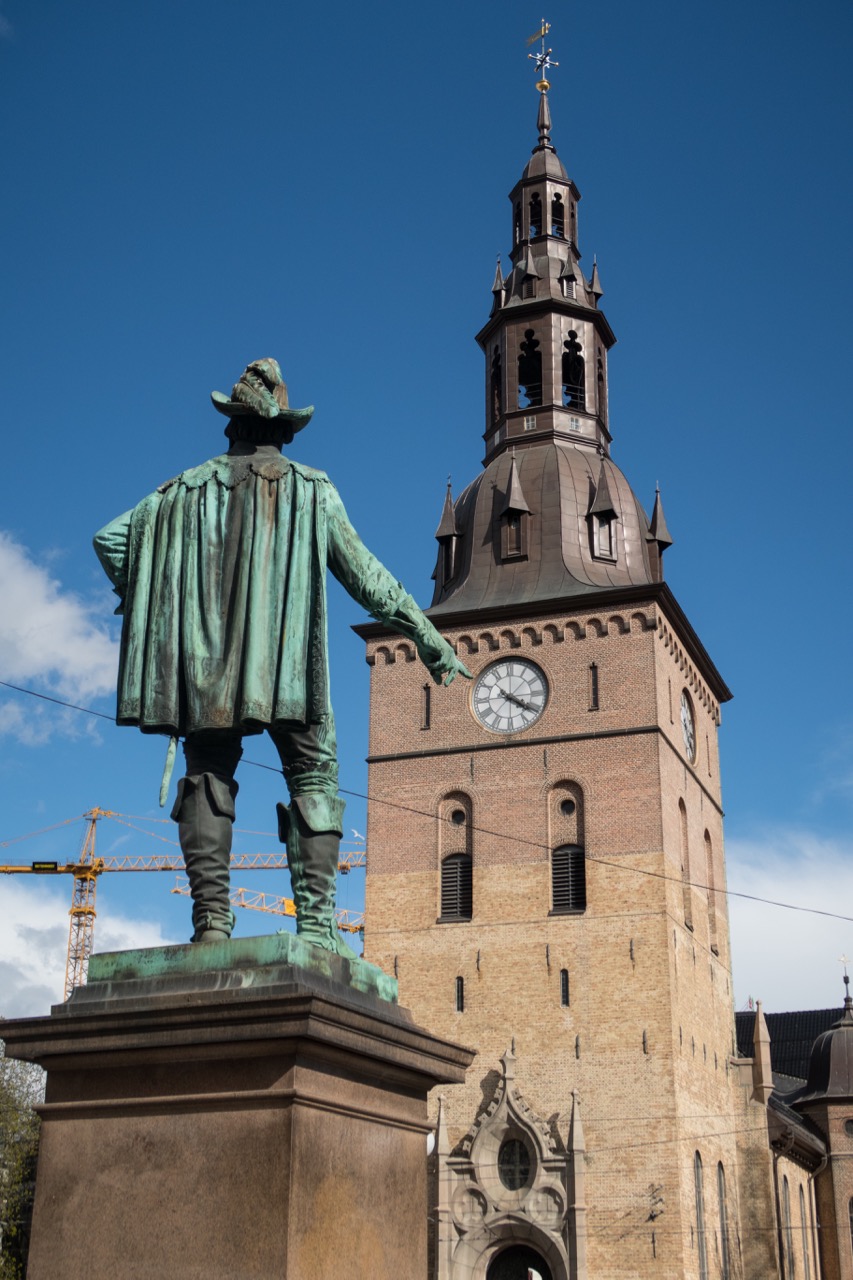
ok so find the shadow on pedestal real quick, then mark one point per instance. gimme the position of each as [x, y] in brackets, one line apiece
[255, 1108]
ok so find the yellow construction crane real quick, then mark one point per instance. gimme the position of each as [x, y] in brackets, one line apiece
[88, 867]
[255, 900]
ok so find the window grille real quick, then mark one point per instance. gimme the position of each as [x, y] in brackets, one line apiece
[529, 372]
[535, 216]
[457, 888]
[574, 376]
[568, 879]
[558, 218]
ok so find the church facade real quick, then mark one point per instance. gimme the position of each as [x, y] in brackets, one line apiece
[546, 874]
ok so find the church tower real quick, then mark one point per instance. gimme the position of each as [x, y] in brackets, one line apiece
[546, 870]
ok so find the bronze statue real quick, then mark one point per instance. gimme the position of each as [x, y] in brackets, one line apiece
[221, 578]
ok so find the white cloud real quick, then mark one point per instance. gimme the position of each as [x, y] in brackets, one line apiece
[48, 637]
[789, 959]
[34, 944]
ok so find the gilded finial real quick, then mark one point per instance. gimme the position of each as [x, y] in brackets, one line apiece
[543, 58]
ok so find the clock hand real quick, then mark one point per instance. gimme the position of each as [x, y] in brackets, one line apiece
[510, 697]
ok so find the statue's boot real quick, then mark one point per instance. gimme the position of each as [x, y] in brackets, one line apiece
[311, 829]
[204, 812]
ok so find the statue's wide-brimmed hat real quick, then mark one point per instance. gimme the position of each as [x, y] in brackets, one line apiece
[262, 393]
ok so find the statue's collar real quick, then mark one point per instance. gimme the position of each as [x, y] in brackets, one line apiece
[229, 470]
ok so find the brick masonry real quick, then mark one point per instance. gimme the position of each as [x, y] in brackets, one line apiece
[647, 1037]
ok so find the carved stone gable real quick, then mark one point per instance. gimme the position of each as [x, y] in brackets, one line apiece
[510, 1178]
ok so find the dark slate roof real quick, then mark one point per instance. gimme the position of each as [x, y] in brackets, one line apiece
[559, 481]
[792, 1036]
[831, 1063]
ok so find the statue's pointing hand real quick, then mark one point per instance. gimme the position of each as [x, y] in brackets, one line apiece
[446, 667]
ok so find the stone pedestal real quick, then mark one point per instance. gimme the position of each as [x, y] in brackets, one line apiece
[235, 1110]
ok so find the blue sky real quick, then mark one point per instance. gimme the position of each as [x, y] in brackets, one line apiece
[191, 186]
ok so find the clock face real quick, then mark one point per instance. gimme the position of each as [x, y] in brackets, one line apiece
[509, 695]
[688, 727]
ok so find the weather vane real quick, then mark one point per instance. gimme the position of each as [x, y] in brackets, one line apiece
[542, 58]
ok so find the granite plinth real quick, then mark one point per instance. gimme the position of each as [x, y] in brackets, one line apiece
[271, 1126]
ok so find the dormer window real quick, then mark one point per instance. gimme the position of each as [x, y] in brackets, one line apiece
[514, 517]
[568, 287]
[558, 218]
[604, 536]
[602, 519]
[535, 216]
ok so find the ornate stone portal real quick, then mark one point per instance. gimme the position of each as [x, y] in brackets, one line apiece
[511, 1186]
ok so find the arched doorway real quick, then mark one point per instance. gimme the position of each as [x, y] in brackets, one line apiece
[515, 1262]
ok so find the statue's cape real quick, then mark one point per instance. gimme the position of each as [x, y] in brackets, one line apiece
[221, 574]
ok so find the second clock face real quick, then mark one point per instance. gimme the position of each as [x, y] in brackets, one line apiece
[509, 695]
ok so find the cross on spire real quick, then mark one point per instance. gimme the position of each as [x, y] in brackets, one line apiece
[543, 58]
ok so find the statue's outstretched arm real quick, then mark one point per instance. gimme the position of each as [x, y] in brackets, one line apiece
[379, 592]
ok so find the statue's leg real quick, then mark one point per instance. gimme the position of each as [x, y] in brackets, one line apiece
[204, 811]
[311, 828]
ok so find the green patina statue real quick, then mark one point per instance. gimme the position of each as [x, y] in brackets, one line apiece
[221, 576]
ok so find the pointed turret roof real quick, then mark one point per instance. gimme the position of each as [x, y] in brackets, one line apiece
[544, 162]
[447, 524]
[515, 500]
[595, 281]
[602, 503]
[657, 528]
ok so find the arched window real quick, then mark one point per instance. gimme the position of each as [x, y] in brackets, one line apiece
[712, 896]
[529, 372]
[558, 218]
[457, 887]
[807, 1266]
[725, 1258]
[789, 1265]
[568, 880]
[564, 988]
[574, 376]
[701, 1242]
[535, 216]
[685, 867]
[516, 225]
[497, 387]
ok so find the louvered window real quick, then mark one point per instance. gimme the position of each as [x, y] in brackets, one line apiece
[568, 879]
[457, 897]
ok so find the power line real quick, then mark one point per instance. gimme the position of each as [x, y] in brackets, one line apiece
[501, 835]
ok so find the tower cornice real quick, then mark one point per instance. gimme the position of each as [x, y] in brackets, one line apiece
[544, 307]
[658, 593]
